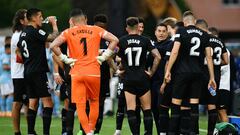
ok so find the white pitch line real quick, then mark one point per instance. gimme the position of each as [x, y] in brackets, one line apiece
[203, 130]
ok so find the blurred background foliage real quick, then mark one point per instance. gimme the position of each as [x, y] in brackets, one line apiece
[59, 8]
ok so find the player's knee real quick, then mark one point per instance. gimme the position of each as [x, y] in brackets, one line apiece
[211, 106]
[176, 101]
[17, 105]
[194, 100]
[33, 104]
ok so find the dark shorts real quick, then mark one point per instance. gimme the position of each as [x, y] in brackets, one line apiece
[223, 100]
[104, 87]
[137, 83]
[187, 85]
[206, 98]
[20, 91]
[37, 85]
[64, 91]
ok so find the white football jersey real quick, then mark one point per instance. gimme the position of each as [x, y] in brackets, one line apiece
[225, 75]
[16, 68]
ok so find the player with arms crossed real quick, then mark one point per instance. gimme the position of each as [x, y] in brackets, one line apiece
[83, 43]
[132, 50]
[188, 56]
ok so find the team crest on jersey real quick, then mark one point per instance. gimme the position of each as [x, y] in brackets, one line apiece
[42, 32]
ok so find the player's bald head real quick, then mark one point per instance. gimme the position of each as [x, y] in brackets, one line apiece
[188, 18]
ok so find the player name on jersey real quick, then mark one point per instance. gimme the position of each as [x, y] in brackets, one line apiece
[133, 41]
[194, 31]
[216, 41]
[81, 31]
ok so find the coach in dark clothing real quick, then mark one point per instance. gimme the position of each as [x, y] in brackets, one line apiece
[161, 44]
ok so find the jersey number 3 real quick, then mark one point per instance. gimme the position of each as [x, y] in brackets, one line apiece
[25, 50]
[129, 51]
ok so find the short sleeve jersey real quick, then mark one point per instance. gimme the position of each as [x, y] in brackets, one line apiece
[218, 48]
[162, 48]
[133, 50]
[191, 53]
[16, 68]
[83, 44]
[33, 50]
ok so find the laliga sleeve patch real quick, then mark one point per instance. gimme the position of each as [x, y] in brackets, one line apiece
[42, 32]
[152, 42]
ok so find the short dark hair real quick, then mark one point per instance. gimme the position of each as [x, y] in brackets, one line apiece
[132, 21]
[179, 24]
[32, 12]
[202, 22]
[214, 31]
[161, 24]
[19, 15]
[76, 12]
[188, 13]
[100, 18]
[140, 20]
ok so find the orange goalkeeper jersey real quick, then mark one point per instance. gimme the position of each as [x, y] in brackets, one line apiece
[83, 44]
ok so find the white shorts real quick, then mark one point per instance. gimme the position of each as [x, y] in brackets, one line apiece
[6, 88]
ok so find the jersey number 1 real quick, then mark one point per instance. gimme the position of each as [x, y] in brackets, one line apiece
[84, 42]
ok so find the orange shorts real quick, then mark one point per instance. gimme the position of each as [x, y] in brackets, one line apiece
[84, 88]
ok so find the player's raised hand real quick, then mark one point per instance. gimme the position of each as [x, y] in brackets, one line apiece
[52, 19]
[167, 77]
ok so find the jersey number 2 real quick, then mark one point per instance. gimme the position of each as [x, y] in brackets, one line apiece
[84, 42]
[129, 51]
[196, 42]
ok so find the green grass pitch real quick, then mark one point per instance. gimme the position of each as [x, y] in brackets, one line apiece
[108, 127]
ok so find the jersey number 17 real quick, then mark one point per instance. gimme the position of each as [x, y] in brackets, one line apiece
[129, 51]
